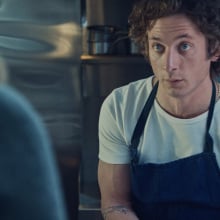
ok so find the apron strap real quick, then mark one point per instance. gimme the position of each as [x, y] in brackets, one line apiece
[208, 145]
[141, 124]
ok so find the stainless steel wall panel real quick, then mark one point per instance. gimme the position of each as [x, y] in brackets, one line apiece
[41, 43]
[50, 87]
[40, 29]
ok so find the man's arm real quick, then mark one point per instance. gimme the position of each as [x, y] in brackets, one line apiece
[114, 183]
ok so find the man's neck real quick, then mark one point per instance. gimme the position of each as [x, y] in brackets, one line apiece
[187, 106]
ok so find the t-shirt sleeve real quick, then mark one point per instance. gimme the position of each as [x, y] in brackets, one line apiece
[112, 145]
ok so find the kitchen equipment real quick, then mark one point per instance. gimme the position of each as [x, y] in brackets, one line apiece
[107, 40]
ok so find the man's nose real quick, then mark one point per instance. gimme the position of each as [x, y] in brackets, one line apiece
[171, 60]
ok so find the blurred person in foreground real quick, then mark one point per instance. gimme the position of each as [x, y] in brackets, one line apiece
[160, 136]
[30, 186]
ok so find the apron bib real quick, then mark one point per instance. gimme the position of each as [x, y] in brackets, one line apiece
[184, 189]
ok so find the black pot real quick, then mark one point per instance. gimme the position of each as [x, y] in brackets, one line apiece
[103, 40]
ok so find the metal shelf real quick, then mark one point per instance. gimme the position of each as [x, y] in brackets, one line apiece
[110, 59]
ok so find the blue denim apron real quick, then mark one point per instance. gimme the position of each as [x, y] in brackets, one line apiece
[184, 189]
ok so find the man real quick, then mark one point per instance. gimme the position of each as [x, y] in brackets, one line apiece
[160, 137]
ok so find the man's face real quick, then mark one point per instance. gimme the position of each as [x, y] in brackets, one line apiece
[178, 55]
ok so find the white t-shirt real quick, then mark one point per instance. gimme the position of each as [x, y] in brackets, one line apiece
[165, 138]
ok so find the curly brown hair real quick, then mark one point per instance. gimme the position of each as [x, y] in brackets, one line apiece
[205, 14]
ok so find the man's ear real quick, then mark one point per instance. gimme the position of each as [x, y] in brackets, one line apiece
[215, 58]
[215, 52]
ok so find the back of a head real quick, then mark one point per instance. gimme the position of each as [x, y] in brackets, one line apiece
[30, 187]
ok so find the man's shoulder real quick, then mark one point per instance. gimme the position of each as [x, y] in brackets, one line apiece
[134, 87]
[130, 95]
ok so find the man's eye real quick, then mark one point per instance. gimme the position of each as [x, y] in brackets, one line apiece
[158, 48]
[184, 47]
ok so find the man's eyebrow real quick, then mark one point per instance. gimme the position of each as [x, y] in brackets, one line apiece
[176, 38]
